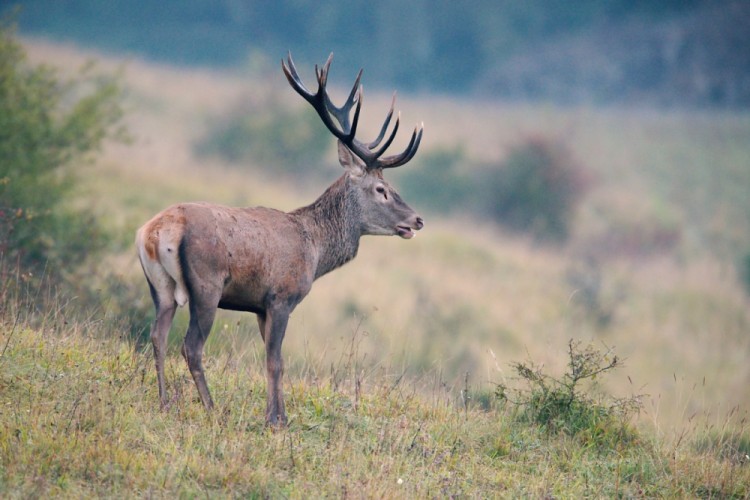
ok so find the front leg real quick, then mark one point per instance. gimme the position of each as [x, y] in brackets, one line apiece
[274, 324]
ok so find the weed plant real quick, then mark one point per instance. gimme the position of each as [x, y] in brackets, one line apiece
[565, 405]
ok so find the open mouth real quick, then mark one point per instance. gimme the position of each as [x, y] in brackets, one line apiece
[405, 232]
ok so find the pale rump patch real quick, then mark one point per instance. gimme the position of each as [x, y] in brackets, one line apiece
[168, 223]
[158, 244]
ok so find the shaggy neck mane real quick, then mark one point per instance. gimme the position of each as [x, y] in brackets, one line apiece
[333, 223]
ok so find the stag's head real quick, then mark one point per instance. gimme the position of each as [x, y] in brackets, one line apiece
[383, 212]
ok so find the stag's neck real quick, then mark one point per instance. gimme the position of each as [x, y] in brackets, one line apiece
[333, 223]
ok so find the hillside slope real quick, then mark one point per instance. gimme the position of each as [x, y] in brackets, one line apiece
[79, 419]
[465, 296]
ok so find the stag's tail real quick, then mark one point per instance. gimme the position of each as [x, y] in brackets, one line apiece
[158, 242]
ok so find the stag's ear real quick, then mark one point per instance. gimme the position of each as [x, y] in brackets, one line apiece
[350, 161]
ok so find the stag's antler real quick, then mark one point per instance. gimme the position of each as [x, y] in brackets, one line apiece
[370, 153]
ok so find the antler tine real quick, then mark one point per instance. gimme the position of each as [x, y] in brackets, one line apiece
[341, 113]
[388, 117]
[290, 71]
[388, 142]
[356, 91]
[346, 129]
[407, 154]
[355, 120]
[319, 99]
[323, 73]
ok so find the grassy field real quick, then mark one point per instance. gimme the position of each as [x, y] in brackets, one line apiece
[79, 401]
[80, 420]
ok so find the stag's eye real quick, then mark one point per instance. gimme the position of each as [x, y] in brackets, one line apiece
[381, 190]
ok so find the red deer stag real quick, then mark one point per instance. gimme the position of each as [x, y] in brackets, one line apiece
[263, 260]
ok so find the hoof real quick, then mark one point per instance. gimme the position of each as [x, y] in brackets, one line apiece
[276, 422]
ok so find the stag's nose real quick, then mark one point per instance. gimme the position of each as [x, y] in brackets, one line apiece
[419, 223]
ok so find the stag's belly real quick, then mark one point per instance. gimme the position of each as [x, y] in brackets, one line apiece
[256, 283]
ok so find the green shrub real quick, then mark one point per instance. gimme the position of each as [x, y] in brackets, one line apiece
[47, 128]
[435, 183]
[562, 405]
[536, 189]
[270, 134]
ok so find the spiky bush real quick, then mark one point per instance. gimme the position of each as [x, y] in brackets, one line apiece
[565, 405]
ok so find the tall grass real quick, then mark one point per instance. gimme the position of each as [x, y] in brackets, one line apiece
[79, 417]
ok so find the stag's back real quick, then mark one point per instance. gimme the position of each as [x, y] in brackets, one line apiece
[243, 252]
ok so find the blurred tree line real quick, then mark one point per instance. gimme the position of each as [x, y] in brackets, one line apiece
[535, 189]
[596, 50]
[49, 127]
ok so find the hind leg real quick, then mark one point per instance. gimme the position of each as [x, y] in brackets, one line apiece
[202, 313]
[165, 310]
[159, 334]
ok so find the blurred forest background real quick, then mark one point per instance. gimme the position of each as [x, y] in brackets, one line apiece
[585, 173]
[677, 52]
